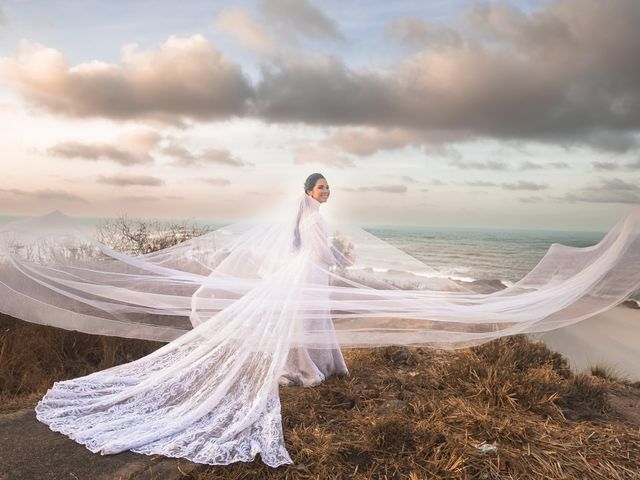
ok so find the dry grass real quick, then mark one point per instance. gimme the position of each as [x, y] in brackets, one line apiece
[403, 413]
[603, 370]
[417, 413]
[33, 356]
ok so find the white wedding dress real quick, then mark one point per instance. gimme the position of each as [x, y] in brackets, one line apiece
[250, 307]
[211, 395]
[310, 366]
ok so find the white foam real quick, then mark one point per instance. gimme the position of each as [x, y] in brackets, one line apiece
[462, 279]
[380, 270]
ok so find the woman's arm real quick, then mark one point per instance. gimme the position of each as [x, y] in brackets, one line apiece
[320, 238]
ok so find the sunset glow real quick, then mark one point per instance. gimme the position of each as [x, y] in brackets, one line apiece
[518, 114]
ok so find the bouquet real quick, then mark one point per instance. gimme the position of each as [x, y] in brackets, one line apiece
[343, 250]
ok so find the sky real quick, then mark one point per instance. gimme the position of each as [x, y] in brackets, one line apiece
[517, 114]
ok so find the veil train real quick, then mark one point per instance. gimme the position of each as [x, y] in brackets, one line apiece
[234, 303]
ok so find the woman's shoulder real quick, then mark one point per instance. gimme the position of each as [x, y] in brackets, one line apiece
[313, 217]
[314, 221]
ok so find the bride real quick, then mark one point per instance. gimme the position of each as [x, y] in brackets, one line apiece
[307, 366]
[210, 395]
[251, 307]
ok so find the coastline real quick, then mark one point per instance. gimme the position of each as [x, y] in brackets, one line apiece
[609, 339]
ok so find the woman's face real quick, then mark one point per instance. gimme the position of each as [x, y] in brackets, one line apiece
[321, 191]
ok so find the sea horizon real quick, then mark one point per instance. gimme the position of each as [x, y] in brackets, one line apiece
[462, 253]
[90, 220]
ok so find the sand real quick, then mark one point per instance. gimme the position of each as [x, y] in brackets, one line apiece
[611, 338]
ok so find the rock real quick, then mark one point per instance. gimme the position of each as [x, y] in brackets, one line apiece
[399, 355]
[485, 285]
[30, 450]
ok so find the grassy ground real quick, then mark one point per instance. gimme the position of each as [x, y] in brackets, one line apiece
[33, 356]
[402, 413]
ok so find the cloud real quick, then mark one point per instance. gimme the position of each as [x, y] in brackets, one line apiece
[613, 190]
[133, 148]
[149, 198]
[321, 90]
[557, 75]
[530, 199]
[218, 182]
[480, 165]
[634, 165]
[414, 32]
[238, 24]
[564, 73]
[44, 194]
[408, 179]
[87, 151]
[183, 157]
[368, 141]
[138, 148]
[124, 180]
[278, 28]
[221, 156]
[524, 185]
[529, 165]
[184, 78]
[305, 154]
[300, 18]
[609, 141]
[390, 188]
[605, 165]
[611, 166]
[480, 183]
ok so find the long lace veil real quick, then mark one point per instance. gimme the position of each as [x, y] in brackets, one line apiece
[235, 301]
[52, 271]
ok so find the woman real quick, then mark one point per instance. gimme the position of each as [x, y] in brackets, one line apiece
[308, 366]
[250, 306]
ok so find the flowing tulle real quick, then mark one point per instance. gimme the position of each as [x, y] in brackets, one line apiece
[210, 396]
[234, 304]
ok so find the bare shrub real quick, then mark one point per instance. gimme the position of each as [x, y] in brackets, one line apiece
[136, 236]
[605, 371]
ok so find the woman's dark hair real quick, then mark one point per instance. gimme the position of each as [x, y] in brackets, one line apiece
[311, 181]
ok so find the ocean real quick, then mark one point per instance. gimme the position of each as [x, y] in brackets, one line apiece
[470, 254]
[466, 253]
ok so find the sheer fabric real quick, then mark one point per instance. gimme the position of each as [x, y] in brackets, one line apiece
[252, 305]
[310, 366]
